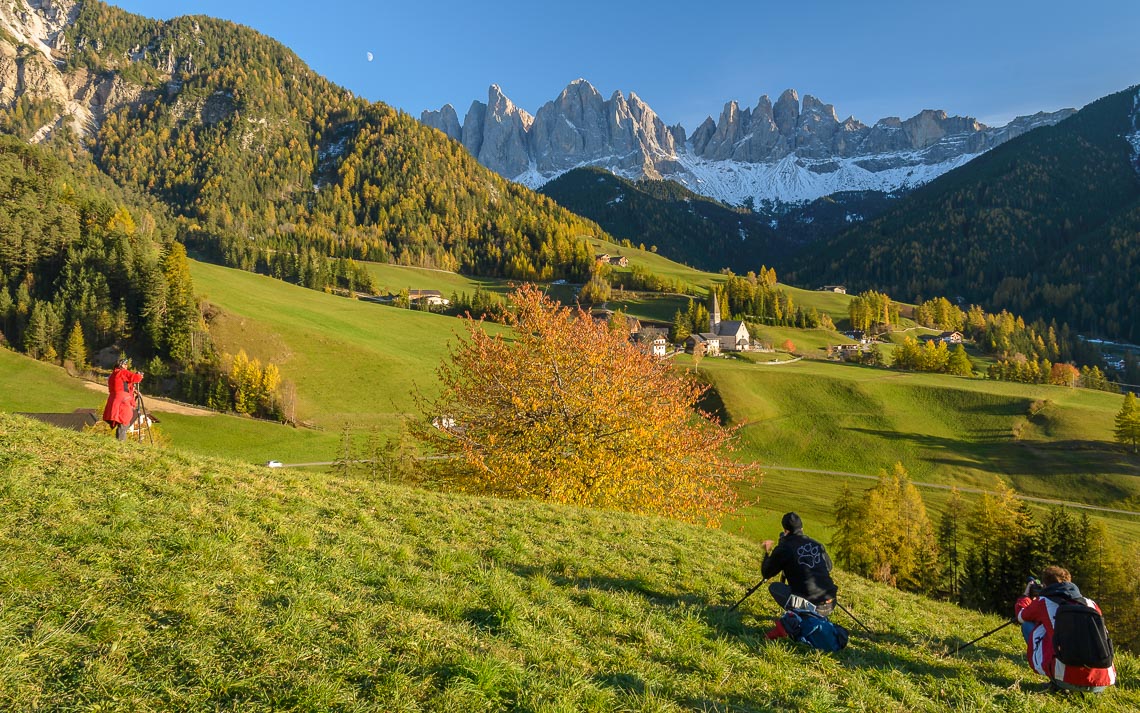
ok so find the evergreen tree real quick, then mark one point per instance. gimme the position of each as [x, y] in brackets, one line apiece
[76, 351]
[36, 338]
[1001, 552]
[847, 542]
[951, 541]
[181, 318]
[1127, 429]
[959, 363]
[679, 331]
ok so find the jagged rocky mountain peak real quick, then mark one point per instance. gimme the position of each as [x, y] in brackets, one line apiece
[791, 150]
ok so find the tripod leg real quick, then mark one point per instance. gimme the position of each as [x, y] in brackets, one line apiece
[988, 633]
[848, 612]
[748, 594]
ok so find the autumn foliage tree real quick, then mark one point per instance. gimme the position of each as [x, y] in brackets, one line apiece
[886, 535]
[568, 411]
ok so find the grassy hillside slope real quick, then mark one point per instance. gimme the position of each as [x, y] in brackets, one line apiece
[1045, 441]
[142, 580]
[357, 363]
[352, 362]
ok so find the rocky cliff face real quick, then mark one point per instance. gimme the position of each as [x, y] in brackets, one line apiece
[791, 150]
[33, 47]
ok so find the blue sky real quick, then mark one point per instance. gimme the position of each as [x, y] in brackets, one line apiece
[991, 59]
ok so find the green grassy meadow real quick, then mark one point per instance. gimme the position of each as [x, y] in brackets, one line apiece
[32, 386]
[139, 579]
[390, 279]
[357, 363]
[1045, 441]
[351, 362]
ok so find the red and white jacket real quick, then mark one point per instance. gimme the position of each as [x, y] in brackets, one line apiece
[1043, 613]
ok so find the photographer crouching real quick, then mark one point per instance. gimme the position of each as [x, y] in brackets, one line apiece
[1065, 636]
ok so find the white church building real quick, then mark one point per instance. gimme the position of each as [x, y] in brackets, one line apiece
[723, 336]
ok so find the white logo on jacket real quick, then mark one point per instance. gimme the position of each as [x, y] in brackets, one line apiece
[809, 555]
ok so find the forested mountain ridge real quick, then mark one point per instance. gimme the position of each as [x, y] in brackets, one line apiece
[85, 265]
[1046, 225]
[269, 165]
[703, 232]
[682, 225]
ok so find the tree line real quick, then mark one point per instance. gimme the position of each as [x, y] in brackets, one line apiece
[980, 555]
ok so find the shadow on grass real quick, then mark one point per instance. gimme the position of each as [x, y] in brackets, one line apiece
[876, 650]
[1008, 457]
[621, 682]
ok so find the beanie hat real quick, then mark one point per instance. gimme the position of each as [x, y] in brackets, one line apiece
[792, 522]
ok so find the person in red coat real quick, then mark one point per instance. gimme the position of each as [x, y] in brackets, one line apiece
[122, 406]
[1038, 617]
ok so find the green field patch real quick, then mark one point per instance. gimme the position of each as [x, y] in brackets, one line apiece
[352, 362]
[1046, 441]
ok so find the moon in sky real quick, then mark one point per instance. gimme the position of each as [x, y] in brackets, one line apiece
[369, 55]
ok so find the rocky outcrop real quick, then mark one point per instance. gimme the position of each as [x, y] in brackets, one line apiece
[32, 67]
[790, 150]
[446, 120]
[580, 127]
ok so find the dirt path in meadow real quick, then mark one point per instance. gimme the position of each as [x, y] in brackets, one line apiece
[154, 403]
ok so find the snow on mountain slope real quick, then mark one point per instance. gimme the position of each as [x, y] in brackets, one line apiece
[793, 180]
[1134, 137]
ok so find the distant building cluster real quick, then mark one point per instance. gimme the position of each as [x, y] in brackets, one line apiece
[615, 260]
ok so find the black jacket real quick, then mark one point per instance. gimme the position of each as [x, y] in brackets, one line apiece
[805, 564]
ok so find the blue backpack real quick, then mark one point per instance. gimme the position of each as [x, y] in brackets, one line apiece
[814, 630]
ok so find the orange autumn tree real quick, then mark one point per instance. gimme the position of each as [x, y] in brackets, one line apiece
[569, 411]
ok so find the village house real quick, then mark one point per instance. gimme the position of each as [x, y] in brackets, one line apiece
[432, 298]
[947, 338]
[619, 260]
[710, 342]
[654, 340]
[839, 289]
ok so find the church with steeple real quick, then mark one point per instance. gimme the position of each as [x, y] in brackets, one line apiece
[723, 336]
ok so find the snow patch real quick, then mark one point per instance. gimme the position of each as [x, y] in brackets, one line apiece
[793, 180]
[1134, 137]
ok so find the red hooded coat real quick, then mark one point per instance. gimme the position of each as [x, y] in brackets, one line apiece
[120, 406]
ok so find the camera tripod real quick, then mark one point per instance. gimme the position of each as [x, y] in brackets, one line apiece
[142, 420]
